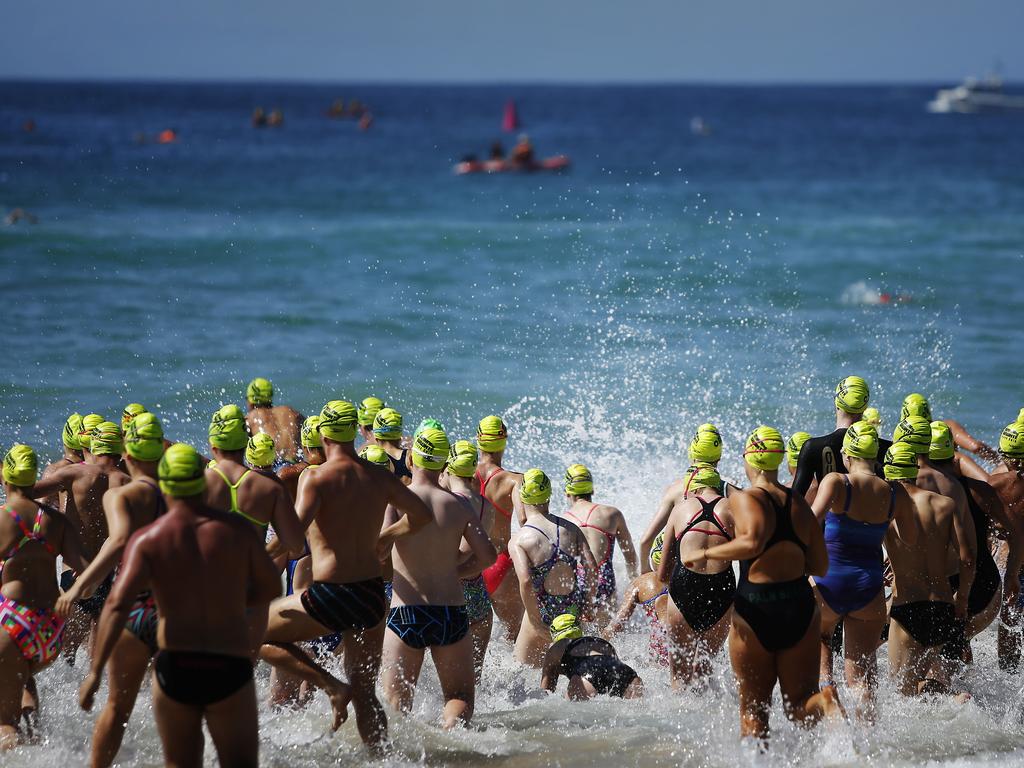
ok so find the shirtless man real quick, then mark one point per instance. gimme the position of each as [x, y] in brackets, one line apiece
[603, 526]
[497, 485]
[366, 412]
[916, 404]
[1010, 488]
[387, 433]
[72, 455]
[924, 616]
[86, 484]
[281, 422]
[343, 504]
[128, 508]
[203, 669]
[312, 454]
[428, 607]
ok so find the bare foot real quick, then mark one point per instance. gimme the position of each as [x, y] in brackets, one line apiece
[340, 695]
[830, 704]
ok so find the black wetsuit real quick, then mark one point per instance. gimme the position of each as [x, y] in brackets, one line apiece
[702, 598]
[821, 455]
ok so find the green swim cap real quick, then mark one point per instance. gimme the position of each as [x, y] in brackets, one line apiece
[387, 424]
[310, 433]
[942, 446]
[764, 449]
[338, 421]
[1011, 441]
[107, 440]
[130, 412]
[181, 471]
[900, 462]
[861, 441]
[375, 455]
[428, 424]
[566, 627]
[430, 449]
[491, 434]
[873, 417]
[89, 423]
[794, 445]
[852, 395]
[20, 466]
[578, 481]
[228, 430]
[144, 439]
[703, 475]
[462, 459]
[368, 410]
[260, 451]
[72, 431]
[706, 445]
[536, 488]
[916, 404]
[916, 431]
[260, 392]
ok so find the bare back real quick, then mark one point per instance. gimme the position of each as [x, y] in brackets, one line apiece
[920, 570]
[933, 480]
[599, 523]
[86, 484]
[1010, 488]
[538, 540]
[258, 495]
[281, 422]
[702, 534]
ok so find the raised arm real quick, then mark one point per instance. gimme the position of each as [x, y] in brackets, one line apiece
[54, 482]
[828, 496]
[290, 531]
[626, 608]
[969, 442]
[552, 664]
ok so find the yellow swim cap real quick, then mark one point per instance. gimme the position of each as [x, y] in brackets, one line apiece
[536, 488]
[764, 449]
[375, 455]
[916, 431]
[942, 446]
[260, 392]
[387, 424]
[1011, 441]
[916, 404]
[794, 445]
[338, 421]
[20, 466]
[861, 441]
[368, 410]
[107, 440]
[144, 439]
[578, 481]
[260, 451]
[430, 449]
[89, 423]
[703, 475]
[852, 395]
[181, 471]
[873, 417]
[72, 431]
[130, 412]
[656, 550]
[900, 462]
[491, 434]
[462, 459]
[310, 433]
[228, 430]
[1020, 417]
[706, 445]
[566, 627]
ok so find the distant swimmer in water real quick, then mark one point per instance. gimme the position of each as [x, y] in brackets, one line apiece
[705, 448]
[282, 422]
[458, 476]
[367, 411]
[702, 595]
[1009, 486]
[603, 526]
[387, 433]
[856, 510]
[275, 119]
[366, 121]
[793, 446]
[428, 607]
[20, 214]
[522, 153]
[554, 565]
[128, 508]
[590, 664]
[342, 503]
[167, 136]
[649, 591]
[203, 668]
[32, 536]
[923, 615]
[498, 485]
[259, 118]
[337, 109]
[776, 623]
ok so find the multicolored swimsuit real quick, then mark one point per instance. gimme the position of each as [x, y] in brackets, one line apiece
[552, 605]
[605, 589]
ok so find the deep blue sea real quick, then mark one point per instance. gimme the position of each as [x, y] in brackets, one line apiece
[666, 279]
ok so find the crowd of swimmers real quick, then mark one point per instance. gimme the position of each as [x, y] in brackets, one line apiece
[297, 540]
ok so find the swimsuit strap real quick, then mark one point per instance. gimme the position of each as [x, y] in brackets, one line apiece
[27, 534]
[663, 592]
[706, 515]
[161, 504]
[233, 490]
[483, 489]
[784, 530]
[849, 494]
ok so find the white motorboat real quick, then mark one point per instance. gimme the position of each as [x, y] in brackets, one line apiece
[975, 95]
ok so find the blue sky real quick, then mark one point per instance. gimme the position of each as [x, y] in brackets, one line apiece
[546, 40]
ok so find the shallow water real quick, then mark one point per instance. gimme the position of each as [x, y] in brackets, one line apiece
[666, 280]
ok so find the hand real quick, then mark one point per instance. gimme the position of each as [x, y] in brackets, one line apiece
[87, 690]
[692, 561]
[65, 604]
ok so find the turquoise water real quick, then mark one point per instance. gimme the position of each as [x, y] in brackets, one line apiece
[666, 280]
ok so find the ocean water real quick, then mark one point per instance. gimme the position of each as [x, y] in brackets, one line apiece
[665, 280]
